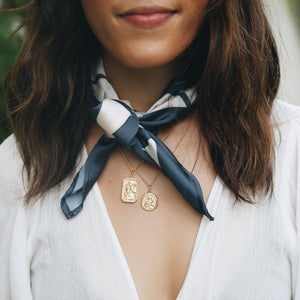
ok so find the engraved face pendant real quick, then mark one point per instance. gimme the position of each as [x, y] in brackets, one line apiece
[149, 201]
[130, 190]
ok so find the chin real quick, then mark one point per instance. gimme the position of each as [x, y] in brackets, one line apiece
[146, 58]
[144, 62]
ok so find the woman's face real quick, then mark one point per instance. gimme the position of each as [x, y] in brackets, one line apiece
[145, 33]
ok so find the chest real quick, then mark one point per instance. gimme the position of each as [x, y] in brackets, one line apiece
[246, 253]
[157, 244]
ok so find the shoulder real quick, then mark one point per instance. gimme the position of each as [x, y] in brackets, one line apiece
[11, 186]
[286, 124]
[11, 180]
[9, 152]
[11, 166]
[285, 115]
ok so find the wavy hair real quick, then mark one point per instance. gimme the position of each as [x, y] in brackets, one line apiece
[48, 92]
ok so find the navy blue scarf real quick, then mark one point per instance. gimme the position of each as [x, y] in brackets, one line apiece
[135, 130]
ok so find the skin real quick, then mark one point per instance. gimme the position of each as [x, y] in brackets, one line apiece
[148, 57]
[140, 63]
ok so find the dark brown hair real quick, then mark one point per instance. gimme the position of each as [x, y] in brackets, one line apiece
[49, 93]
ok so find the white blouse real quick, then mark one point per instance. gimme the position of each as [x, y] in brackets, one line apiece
[248, 252]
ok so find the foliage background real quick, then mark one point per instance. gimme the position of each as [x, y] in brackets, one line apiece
[9, 47]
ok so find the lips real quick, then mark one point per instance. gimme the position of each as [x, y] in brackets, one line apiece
[147, 17]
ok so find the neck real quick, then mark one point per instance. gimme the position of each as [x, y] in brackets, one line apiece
[141, 87]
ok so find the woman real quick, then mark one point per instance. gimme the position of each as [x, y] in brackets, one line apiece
[108, 212]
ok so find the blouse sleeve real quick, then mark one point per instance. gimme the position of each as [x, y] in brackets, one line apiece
[297, 208]
[14, 258]
[289, 183]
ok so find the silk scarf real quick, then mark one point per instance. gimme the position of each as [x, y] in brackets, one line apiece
[136, 130]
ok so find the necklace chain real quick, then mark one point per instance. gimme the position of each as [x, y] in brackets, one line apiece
[135, 169]
[130, 166]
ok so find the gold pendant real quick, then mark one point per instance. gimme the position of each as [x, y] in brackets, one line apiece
[149, 201]
[130, 190]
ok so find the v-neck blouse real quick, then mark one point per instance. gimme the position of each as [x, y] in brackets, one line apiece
[248, 252]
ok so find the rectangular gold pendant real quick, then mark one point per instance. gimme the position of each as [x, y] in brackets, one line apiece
[130, 190]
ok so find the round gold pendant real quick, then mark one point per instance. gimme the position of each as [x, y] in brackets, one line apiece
[149, 201]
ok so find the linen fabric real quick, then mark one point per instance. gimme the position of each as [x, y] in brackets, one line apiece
[136, 131]
[248, 252]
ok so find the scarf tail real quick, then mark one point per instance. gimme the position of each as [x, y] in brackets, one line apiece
[73, 200]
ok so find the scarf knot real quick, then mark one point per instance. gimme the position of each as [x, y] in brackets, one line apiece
[117, 120]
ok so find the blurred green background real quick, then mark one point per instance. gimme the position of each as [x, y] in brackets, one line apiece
[9, 47]
[8, 50]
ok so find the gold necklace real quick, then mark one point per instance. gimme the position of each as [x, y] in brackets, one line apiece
[130, 186]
